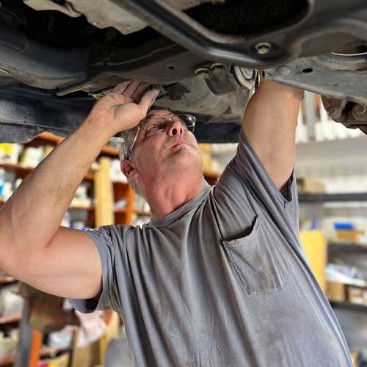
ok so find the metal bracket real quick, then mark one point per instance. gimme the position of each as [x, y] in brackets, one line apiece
[253, 52]
[259, 51]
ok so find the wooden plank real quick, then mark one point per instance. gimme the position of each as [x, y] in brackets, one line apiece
[211, 177]
[46, 351]
[143, 213]
[20, 170]
[337, 197]
[35, 348]
[49, 138]
[10, 319]
[74, 207]
[6, 279]
[103, 194]
[130, 199]
[6, 361]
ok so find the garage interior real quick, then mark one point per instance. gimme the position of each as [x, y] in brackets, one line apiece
[39, 330]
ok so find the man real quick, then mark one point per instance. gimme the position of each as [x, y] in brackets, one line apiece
[218, 277]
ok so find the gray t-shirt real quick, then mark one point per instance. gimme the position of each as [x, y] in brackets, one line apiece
[221, 282]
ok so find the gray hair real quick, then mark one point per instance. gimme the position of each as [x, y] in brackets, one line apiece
[127, 139]
[128, 135]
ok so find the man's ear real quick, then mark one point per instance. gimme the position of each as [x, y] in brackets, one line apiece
[128, 169]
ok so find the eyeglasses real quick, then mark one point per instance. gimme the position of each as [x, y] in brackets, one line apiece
[159, 125]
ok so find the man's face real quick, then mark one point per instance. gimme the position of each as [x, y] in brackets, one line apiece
[165, 146]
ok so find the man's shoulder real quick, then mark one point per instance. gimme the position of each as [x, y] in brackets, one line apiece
[113, 231]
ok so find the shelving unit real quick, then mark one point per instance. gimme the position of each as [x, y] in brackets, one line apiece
[11, 319]
[45, 352]
[5, 279]
[351, 315]
[349, 246]
[122, 216]
[348, 306]
[6, 361]
[338, 197]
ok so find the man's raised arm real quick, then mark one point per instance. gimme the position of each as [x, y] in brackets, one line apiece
[269, 124]
[33, 246]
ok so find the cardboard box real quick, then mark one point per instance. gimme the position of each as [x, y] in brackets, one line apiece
[307, 185]
[349, 235]
[335, 291]
[315, 246]
[354, 354]
[357, 295]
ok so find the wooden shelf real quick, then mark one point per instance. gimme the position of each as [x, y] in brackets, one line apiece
[10, 319]
[211, 174]
[49, 138]
[340, 197]
[24, 171]
[5, 361]
[120, 211]
[89, 176]
[349, 306]
[142, 213]
[6, 279]
[81, 208]
[20, 170]
[119, 183]
[348, 246]
[110, 151]
[47, 351]
[211, 177]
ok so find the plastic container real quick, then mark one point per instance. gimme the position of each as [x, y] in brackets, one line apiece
[2, 182]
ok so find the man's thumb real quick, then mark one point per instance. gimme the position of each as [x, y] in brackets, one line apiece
[148, 99]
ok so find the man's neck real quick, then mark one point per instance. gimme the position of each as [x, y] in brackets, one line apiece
[166, 198]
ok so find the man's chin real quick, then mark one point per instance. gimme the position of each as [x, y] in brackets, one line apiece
[184, 160]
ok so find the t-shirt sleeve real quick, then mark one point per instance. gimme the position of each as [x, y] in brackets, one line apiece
[245, 189]
[106, 250]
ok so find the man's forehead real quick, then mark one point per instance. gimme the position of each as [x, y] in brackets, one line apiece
[158, 113]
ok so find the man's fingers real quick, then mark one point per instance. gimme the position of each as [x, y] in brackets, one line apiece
[131, 90]
[148, 99]
[121, 87]
[139, 92]
[128, 89]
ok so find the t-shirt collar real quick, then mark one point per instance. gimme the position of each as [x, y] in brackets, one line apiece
[181, 211]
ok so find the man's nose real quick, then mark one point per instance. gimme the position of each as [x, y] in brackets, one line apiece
[176, 128]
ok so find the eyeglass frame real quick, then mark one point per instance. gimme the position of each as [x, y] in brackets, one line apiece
[172, 118]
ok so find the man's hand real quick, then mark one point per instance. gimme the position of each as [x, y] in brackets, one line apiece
[124, 107]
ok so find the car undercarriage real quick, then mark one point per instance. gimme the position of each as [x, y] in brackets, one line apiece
[57, 57]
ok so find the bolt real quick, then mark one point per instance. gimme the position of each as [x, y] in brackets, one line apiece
[263, 48]
[360, 110]
[249, 74]
[283, 70]
[218, 69]
[202, 73]
[334, 112]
